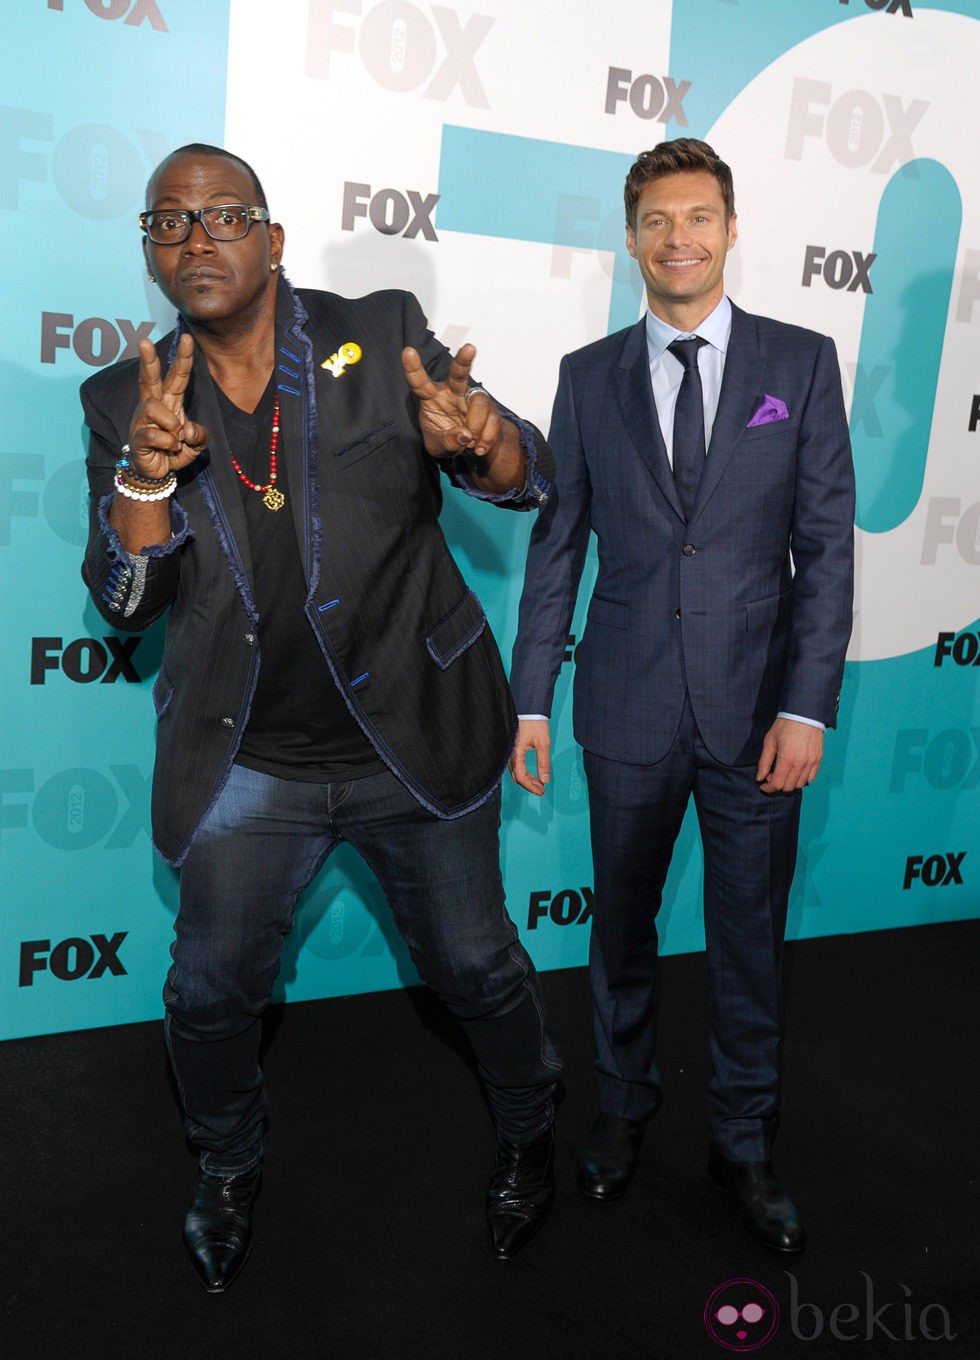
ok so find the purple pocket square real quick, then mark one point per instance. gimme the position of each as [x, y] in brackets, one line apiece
[770, 409]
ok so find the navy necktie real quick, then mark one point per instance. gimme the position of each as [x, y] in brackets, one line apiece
[688, 438]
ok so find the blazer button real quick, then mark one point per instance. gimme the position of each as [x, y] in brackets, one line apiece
[228, 722]
[688, 550]
[677, 613]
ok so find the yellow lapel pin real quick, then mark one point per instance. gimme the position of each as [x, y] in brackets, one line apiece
[347, 354]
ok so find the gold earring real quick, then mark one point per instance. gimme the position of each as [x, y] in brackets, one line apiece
[150, 277]
[273, 268]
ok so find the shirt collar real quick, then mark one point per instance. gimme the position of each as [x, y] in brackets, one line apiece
[715, 328]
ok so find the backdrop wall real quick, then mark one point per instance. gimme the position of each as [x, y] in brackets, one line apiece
[475, 154]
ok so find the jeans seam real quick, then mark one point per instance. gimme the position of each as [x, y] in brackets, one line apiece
[345, 794]
[521, 963]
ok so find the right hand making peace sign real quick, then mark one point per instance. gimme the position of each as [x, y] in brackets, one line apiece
[161, 438]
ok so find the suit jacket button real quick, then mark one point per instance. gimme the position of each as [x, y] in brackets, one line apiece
[677, 613]
[228, 722]
[688, 550]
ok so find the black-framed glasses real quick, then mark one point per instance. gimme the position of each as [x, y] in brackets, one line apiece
[225, 222]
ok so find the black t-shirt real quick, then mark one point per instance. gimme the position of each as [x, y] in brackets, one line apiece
[299, 726]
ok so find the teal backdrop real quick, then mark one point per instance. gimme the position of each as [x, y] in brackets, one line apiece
[477, 156]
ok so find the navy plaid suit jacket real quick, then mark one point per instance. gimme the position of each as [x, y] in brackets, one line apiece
[747, 606]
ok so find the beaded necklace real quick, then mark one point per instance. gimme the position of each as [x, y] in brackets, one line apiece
[272, 498]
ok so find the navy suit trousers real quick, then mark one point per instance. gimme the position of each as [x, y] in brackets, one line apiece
[749, 841]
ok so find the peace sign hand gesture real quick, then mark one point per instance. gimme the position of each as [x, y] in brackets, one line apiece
[448, 422]
[456, 418]
[161, 438]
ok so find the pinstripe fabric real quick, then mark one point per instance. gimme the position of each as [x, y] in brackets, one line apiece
[405, 641]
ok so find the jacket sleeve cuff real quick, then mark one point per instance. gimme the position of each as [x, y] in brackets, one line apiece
[179, 533]
[537, 486]
[121, 581]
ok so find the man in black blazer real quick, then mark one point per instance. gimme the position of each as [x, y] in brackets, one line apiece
[708, 451]
[269, 476]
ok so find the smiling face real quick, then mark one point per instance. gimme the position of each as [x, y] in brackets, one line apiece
[212, 282]
[680, 239]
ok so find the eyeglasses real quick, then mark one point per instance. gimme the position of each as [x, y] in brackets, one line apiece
[226, 222]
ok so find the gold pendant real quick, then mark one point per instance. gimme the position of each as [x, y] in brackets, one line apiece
[274, 499]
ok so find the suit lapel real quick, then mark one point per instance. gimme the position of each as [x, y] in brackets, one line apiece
[635, 396]
[311, 403]
[740, 390]
[296, 411]
[335, 399]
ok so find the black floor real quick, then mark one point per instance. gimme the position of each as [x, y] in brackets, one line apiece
[370, 1238]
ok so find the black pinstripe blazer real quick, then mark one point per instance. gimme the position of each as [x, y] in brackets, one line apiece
[406, 642]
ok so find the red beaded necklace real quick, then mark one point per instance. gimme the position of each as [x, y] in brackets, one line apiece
[271, 497]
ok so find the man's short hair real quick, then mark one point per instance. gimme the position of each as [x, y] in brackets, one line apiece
[682, 156]
[205, 149]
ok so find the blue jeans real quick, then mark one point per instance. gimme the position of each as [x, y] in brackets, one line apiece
[259, 847]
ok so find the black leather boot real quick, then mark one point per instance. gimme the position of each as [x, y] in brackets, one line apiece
[521, 1192]
[218, 1226]
[608, 1159]
[767, 1211]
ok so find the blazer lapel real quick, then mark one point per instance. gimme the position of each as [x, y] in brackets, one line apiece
[297, 433]
[740, 390]
[640, 413]
[311, 401]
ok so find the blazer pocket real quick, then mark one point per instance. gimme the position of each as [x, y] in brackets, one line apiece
[763, 613]
[611, 613]
[789, 428]
[367, 443]
[458, 630]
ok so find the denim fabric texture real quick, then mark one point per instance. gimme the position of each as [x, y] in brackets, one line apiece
[262, 843]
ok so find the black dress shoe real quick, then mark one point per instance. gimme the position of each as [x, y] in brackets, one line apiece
[768, 1212]
[608, 1160]
[521, 1192]
[218, 1226]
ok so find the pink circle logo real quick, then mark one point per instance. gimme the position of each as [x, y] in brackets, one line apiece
[741, 1315]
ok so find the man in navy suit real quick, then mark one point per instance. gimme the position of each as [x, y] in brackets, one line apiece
[708, 451]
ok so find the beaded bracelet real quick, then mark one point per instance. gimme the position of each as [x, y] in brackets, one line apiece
[137, 483]
[139, 477]
[163, 493]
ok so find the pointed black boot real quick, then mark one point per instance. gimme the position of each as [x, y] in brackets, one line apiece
[218, 1226]
[521, 1192]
